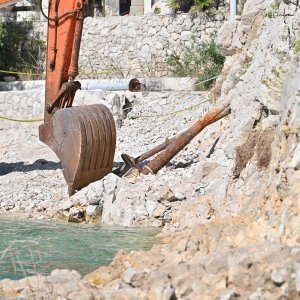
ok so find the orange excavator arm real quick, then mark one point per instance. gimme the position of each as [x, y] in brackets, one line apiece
[83, 137]
[65, 22]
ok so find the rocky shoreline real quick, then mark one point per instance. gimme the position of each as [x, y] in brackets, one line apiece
[228, 204]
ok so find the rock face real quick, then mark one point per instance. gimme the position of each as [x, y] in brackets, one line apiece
[262, 86]
[229, 202]
[283, 184]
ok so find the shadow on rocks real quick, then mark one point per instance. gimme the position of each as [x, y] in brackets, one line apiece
[40, 164]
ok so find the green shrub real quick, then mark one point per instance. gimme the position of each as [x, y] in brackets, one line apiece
[182, 5]
[241, 4]
[296, 46]
[273, 9]
[208, 77]
[20, 48]
[180, 67]
[187, 5]
[202, 3]
[202, 60]
[157, 10]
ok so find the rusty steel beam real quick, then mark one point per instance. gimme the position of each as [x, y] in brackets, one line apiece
[183, 139]
[132, 162]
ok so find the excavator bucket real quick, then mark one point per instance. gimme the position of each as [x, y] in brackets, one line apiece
[84, 139]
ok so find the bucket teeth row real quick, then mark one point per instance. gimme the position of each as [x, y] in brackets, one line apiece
[84, 139]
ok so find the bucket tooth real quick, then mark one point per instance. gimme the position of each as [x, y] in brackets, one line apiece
[84, 139]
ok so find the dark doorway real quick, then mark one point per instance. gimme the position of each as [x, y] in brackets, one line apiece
[125, 7]
[90, 8]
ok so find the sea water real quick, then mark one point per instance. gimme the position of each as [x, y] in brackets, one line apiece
[38, 247]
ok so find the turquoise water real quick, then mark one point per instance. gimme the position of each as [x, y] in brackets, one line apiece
[36, 247]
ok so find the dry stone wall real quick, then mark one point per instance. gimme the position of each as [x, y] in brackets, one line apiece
[140, 45]
[118, 47]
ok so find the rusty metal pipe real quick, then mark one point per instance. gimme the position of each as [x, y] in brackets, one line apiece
[131, 162]
[147, 154]
[183, 139]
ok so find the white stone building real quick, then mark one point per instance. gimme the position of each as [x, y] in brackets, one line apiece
[25, 10]
[128, 7]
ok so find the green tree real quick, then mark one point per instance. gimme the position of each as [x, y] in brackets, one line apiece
[21, 48]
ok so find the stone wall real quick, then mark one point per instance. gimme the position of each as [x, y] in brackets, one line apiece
[139, 45]
[129, 46]
[25, 100]
[30, 104]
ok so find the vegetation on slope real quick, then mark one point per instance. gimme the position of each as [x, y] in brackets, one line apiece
[187, 5]
[202, 60]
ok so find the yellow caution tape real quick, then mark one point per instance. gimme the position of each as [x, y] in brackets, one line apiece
[22, 73]
[170, 113]
[130, 117]
[209, 79]
[111, 71]
[21, 120]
